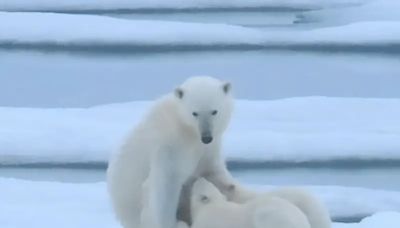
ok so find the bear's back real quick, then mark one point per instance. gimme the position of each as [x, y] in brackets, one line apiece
[220, 215]
[271, 212]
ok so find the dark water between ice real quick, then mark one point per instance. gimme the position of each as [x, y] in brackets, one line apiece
[374, 178]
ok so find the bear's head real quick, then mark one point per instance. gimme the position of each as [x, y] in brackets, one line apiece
[206, 105]
[204, 193]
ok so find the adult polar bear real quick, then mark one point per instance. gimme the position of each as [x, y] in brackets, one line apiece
[178, 141]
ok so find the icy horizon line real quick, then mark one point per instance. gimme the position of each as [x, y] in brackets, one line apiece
[232, 164]
[139, 48]
[170, 10]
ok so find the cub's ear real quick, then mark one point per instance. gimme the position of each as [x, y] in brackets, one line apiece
[227, 87]
[179, 93]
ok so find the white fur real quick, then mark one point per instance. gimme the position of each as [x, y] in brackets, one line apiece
[210, 209]
[316, 212]
[150, 177]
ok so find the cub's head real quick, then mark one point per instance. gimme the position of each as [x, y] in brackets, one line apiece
[204, 193]
[206, 104]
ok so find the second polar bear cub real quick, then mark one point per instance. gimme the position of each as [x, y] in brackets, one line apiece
[210, 209]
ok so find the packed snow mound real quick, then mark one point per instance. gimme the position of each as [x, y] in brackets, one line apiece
[293, 130]
[67, 29]
[79, 5]
[54, 204]
[63, 30]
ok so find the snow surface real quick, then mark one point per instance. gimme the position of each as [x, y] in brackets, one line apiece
[86, 29]
[380, 220]
[354, 201]
[89, 30]
[375, 10]
[62, 5]
[387, 220]
[52, 204]
[295, 129]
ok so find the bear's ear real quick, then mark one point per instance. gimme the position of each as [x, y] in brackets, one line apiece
[178, 93]
[204, 199]
[227, 87]
[231, 187]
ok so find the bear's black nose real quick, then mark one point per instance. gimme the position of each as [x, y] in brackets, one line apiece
[206, 139]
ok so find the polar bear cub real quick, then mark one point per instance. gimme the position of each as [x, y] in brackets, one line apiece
[317, 213]
[210, 209]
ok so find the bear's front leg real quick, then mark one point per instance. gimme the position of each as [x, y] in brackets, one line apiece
[164, 185]
[227, 185]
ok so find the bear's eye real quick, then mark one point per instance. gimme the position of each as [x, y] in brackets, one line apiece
[204, 199]
[195, 114]
[215, 112]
